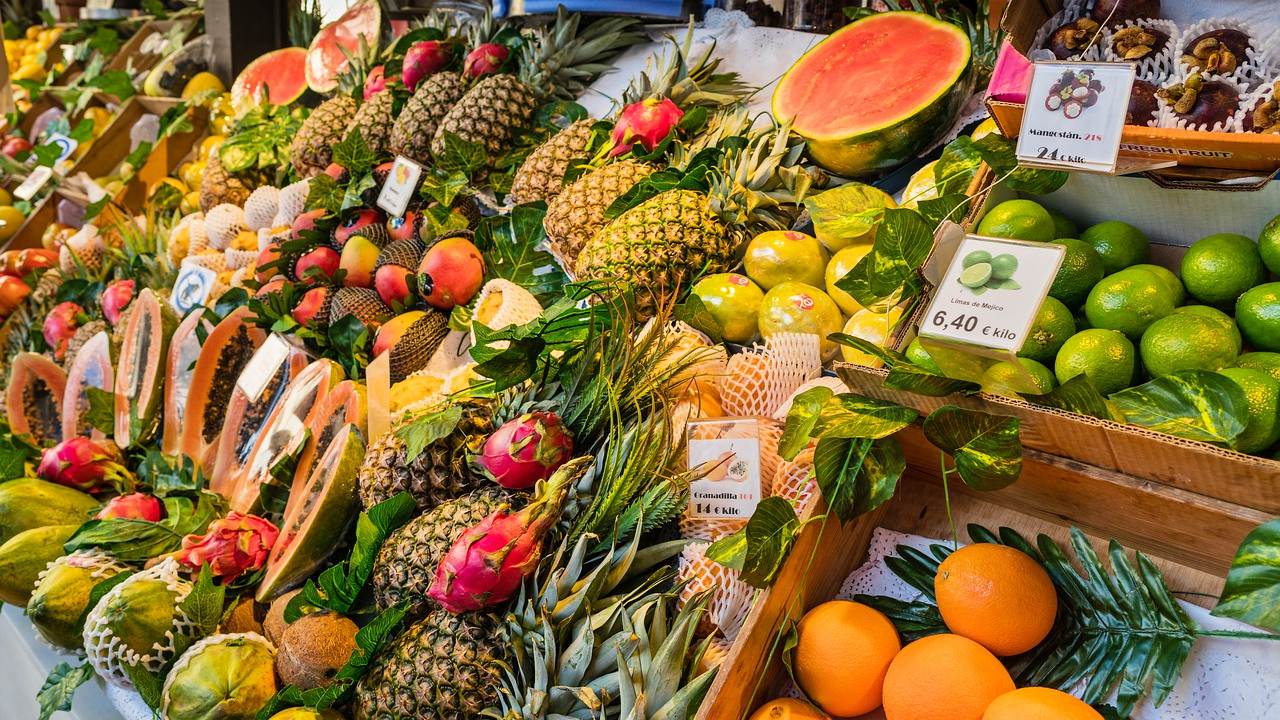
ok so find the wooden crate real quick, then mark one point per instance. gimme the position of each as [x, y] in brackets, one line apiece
[48, 100]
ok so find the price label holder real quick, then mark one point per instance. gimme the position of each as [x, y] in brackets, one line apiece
[378, 379]
[986, 302]
[33, 183]
[66, 144]
[263, 366]
[191, 288]
[401, 184]
[730, 450]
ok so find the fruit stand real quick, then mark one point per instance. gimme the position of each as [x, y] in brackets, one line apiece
[568, 366]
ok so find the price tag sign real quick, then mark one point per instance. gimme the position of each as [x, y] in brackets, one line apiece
[400, 186]
[1075, 115]
[990, 294]
[730, 448]
[191, 288]
[33, 183]
[66, 145]
[264, 364]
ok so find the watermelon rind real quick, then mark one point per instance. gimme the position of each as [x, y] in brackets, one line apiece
[871, 150]
[326, 57]
[283, 73]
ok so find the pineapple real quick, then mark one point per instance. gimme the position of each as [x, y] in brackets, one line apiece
[374, 120]
[218, 187]
[412, 131]
[328, 124]
[82, 335]
[541, 175]
[576, 214]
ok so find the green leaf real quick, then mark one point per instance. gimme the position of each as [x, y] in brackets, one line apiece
[59, 688]
[886, 274]
[913, 378]
[1192, 404]
[695, 178]
[353, 154]
[114, 82]
[323, 193]
[444, 188]
[853, 416]
[139, 540]
[1000, 153]
[428, 428]
[101, 414]
[694, 312]
[802, 420]
[15, 452]
[92, 210]
[946, 207]
[461, 156]
[47, 154]
[957, 167]
[857, 476]
[848, 213]
[764, 544]
[889, 357]
[512, 247]
[913, 620]
[1252, 592]
[138, 157]
[1077, 395]
[986, 448]
[204, 604]
[149, 685]
[729, 551]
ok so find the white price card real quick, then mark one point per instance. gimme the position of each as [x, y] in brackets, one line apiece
[988, 298]
[729, 450]
[401, 184]
[1075, 115]
[263, 366]
[66, 145]
[192, 287]
[33, 183]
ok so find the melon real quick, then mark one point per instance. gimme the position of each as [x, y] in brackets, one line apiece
[91, 369]
[33, 399]
[345, 404]
[317, 514]
[280, 73]
[179, 370]
[140, 370]
[877, 92]
[223, 355]
[339, 41]
[171, 74]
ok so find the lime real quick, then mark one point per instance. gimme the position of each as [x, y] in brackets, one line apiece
[917, 355]
[1258, 315]
[1267, 362]
[975, 275]
[975, 257]
[1063, 226]
[1262, 392]
[1187, 341]
[1019, 220]
[873, 327]
[1051, 328]
[1269, 245]
[1081, 269]
[1003, 378]
[1003, 266]
[1120, 244]
[1218, 269]
[1216, 314]
[1128, 301]
[1105, 356]
[734, 302]
[777, 256]
[841, 263]
[1169, 278]
[795, 307]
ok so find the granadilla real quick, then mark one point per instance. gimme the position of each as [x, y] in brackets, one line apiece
[423, 58]
[486, 59]
[232, 546]
[134, 506]
[487, 563]
[60, 325]
[525, 450]
[85, 465]
[647, 123]
[115, 298]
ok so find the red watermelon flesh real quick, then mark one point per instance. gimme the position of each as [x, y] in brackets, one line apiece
[325, 57]
[282, 73]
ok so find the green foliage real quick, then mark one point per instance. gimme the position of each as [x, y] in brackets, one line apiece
[512, 247]
[139, 540]
[890, 272]
[986, 448]
[427, 428]
[60, 687]
[15, 452]
[858, 475]
[758, 550]
[1077, 395]
[1191, 404]
[260, 140]
[204, 604]
[1252, 592]
[848, 212]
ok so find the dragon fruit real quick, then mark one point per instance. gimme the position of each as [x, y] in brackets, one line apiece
[488, 562]
[486, 59]
[378, 80]
[647, 122]
[134, 506]
[234, 545]
[60, 325]
[423, 58]
[525, 450]
[115, 298]
[85, 465]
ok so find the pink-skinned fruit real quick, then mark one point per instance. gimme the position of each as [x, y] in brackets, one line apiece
[377, 80]
[232, 546]
[450, 273]
[487, 563]
[60, 325]
[313, 309]
[525, 450]
[264, 269]
[424, 58]
[115, 298]
[306, 222]
[85, 465]
[356, 223]
[134, 506]
[646, 123]
[486, 59]
[395, 285]
[323, 259]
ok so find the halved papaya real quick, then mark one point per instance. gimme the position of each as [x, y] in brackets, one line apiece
[91, 369]
[346, 404]
[139, 372]
[33, 399]
[318, 512]
[179, 371]
[223, 356]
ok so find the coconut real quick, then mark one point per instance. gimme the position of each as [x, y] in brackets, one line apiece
[314, 648]
[61, 595]
[229, 677]
[274, 625]
[245, 617]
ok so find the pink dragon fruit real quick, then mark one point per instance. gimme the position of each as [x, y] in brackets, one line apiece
[60, 325]
[488, 562]
[115, 299]
[232, 546]
[377, 80]
[486, 59]
[423, 58]
[647, 122]
[85, 465]
[525, 450]
[134, 506]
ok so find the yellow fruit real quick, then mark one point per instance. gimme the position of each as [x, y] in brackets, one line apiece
[841, 263]
[1037, 703]
[29, 71]
[101, 118]
[985, 128]
[11, 219]
[996, 596]
[943, 677]
[192, 173]
[788, 709]
[208, 145]
[173, 182]
[32, 33]
[5, 197]
[843, 652]
[203, 83]
[923, 185]
[191, 202]
[245, 240]
[872, 327]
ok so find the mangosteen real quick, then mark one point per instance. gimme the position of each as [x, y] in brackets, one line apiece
[1136, 43]
[1264, 116]
[1115, 12]
[1142, 103]
[1072, 109]
[1202, 102]
[1053, 102]
[1072, 38]
[1217, 51]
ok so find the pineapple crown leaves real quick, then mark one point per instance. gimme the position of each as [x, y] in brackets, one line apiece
[562, 60]
[687, 80]
[352, 78]
[760, 185]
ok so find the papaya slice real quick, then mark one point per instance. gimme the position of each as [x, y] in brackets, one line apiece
[91, 369]
[223, 356]
[140, 370]
[33, 399]
[345, 404]
[179, 371]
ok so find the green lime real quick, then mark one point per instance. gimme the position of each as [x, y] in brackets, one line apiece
[917, 355]
[777, 256]
[1003, 266]
[1219, 268]
[1258, 315]
[1187, 341]
[1105, 356]
[1081, 269]
[975, 257]
[734, 302]
[1216, 314]
[1262, 392]
[1019, 220]
[1169, 278]
[975, 275]
[1003, 378]
[1269, 245]
[1052, 326]
[1128, 301]
[1063, 226]
[1267, 362]
[1120, 244]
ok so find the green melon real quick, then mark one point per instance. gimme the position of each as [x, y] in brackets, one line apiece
[877, 92]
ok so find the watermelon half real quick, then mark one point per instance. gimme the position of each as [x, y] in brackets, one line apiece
[877, 92]
[326, 58]
[282, 73]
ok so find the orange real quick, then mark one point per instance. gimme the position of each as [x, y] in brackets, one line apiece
[788, 709]
[997, 596]
[843, 652]
[943, 677]
[1037, 703]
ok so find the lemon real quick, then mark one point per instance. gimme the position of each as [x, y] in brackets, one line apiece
[191, 202]
[1051, 328]
[1106, 357]
[918, 355]
[5, 197]
[841, 263]
[1120, 244]
[923, 185]
[1258, 314]
[1169, 278]
[1081, 269]
[1218, 269]
[855, 197]
[202, 83]
[1018, 220]
[1188, 341]
[985, 128]
[872, 327]
[11, 219]
[1262, 394]
[777, 256]
[208, 145]
[1216, 314]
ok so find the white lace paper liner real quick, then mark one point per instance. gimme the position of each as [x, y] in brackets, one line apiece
[1223, 679]
[1251, 66]
[1156, 67]
[1167, 118]
[1071, 11]
[1264, 92]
